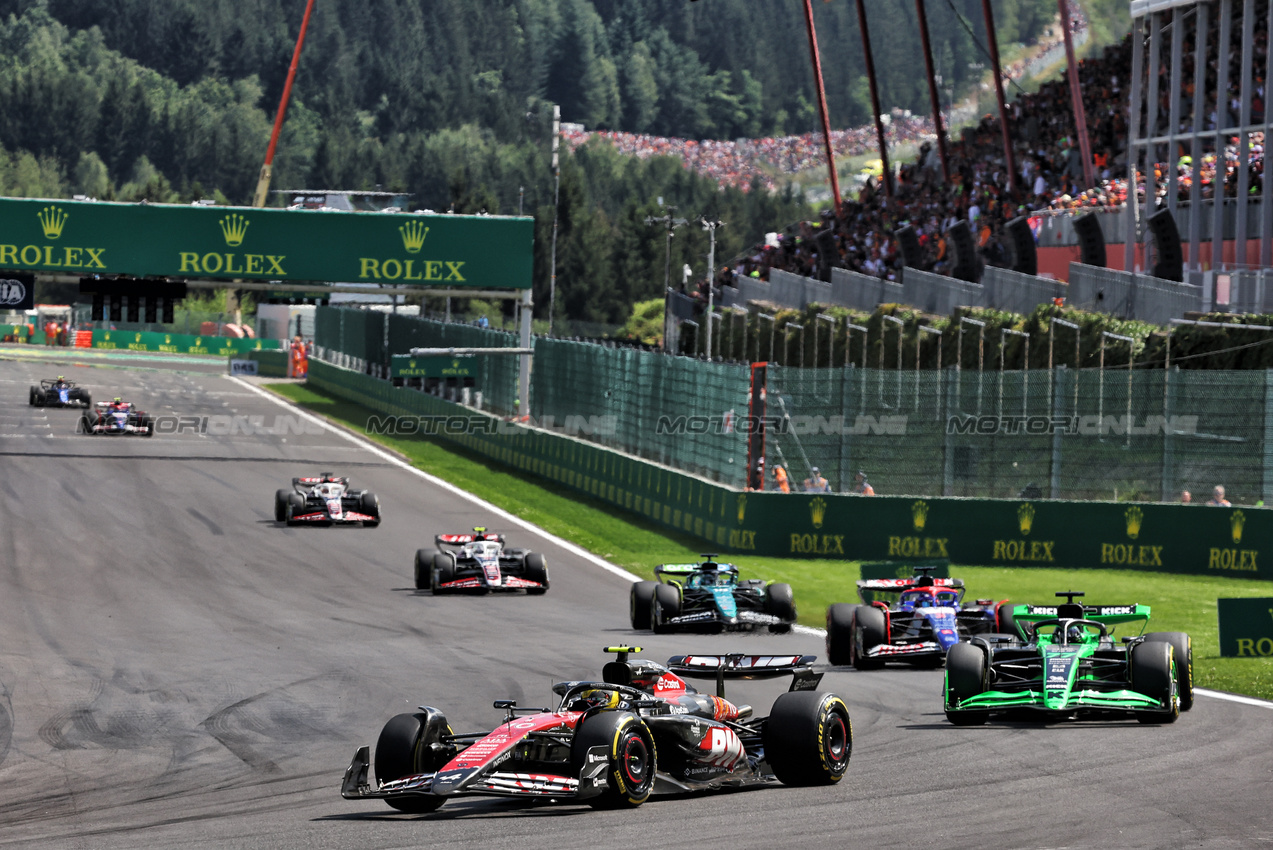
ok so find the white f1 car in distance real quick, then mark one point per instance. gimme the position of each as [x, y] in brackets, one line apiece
[326, 500]
[479, 561]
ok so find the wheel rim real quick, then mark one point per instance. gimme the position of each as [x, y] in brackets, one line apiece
[635, 761]
[837, 739]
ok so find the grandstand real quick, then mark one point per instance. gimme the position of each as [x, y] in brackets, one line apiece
[1198, 155]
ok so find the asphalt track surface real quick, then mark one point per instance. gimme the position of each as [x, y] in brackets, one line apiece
[176, 670]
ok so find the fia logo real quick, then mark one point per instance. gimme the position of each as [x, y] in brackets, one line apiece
[12, 292]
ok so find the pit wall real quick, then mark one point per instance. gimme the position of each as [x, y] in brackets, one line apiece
[1195, 539]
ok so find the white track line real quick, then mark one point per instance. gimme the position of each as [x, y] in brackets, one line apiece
[439, 482]
[1262, 703]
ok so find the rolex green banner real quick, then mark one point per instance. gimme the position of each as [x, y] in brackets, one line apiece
[432, 366]
[161, 240]
[179, 343]
[1246, 627]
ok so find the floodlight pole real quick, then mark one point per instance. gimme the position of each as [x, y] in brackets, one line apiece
[710, 226]
[267, 169]
[671, 224]
[552, 279]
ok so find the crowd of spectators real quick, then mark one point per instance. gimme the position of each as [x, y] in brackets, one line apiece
[1050, 178]
[743, 162]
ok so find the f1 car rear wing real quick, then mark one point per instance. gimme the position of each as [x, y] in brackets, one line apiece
[1109, 614]
[478, 533]
[691, 569]
[1071, 610]
[320, 479]
[740, 666]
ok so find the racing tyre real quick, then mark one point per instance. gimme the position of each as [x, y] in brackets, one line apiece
[667, 604]
[840, 633]
[967, 674]
[869, 630]
[149, 424]
[405, 749]
[1005, 622]
[443, 571]
[295, 505]
[1183, 646]
[33, 398]
[86, 399]
[779, 603]
[86, 425]
[424, 568]
[640, 601]
[1152, 676]
[536, 570]
[630, 768]
[280, 505]
[369, 504]
[808, 738]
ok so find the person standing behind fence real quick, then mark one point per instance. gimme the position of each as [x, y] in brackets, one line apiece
[863, 487]
[780, 479]
[815, 483]
[1218, 499]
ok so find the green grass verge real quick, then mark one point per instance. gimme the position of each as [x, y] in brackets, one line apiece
[1180, 603]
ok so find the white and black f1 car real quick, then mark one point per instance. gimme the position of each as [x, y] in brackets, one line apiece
[326, 500]
[59, 392]
[117, 417]
[709, 597]
[642, 730]
[479, 561]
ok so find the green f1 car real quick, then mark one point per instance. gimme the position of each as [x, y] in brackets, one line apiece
[1065, 662]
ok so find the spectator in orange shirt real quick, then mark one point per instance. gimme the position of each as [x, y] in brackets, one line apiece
[780, 479]
[863, 487]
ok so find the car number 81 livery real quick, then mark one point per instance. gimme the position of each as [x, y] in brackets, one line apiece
[642, 730]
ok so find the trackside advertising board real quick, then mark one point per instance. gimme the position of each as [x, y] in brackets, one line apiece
[1246, 627]
[243, 243]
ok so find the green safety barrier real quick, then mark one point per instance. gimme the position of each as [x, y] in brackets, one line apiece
[270, 363]
[179, 343]
[169, 240]
[1195, 539]
[1246, 627]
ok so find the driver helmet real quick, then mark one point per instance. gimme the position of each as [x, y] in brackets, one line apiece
[595, 698]
[1075, 633]
[61, 378]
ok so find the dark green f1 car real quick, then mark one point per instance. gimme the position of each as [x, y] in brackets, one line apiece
[1064, 661]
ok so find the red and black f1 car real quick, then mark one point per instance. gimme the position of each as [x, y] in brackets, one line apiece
[479, 561]
[326, 500]
[117, 417]
[641, 730]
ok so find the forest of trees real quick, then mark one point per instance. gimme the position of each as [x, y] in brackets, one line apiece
[171, 100]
